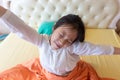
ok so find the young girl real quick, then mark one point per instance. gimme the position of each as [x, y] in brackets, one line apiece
[59, 53]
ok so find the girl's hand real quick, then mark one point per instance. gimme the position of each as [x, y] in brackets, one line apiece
[116, 50]
[2, 10]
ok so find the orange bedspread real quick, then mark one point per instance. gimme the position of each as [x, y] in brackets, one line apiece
[32, 70]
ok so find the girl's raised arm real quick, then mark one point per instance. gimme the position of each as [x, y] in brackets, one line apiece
[16, 25]
[116, 50]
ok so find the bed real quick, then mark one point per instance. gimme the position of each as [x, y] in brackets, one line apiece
[100, 18]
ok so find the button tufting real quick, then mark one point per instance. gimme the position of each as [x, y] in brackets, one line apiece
[91, 11]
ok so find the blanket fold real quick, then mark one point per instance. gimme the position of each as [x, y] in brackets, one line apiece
[32, 70]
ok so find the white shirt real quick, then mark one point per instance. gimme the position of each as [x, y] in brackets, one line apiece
[59, 61]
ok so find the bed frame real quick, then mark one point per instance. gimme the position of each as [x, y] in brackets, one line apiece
[94, 13]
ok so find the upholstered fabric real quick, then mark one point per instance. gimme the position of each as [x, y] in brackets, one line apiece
[94, 13]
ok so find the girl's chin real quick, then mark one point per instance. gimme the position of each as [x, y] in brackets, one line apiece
[55, 47]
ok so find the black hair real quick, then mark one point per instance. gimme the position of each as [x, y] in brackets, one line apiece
[76, 23]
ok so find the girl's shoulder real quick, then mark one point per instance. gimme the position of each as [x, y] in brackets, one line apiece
[45, 38]
[79, 45]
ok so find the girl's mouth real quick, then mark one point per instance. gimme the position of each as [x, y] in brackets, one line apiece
[57, 45]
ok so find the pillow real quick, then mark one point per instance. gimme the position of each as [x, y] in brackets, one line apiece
[3, 36]
[46, 27]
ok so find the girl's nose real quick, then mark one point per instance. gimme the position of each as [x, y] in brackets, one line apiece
[63, 41]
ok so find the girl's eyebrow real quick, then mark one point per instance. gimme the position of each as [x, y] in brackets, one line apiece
[63, 32]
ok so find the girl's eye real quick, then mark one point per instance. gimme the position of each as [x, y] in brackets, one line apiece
[61, 35]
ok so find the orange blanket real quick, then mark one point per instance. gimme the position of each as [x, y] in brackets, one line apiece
[32, 70]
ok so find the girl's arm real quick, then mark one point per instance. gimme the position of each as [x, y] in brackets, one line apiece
[87, 48]
[116, 50]
[17, 26]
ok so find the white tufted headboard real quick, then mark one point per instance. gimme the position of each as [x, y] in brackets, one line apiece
[94, 13]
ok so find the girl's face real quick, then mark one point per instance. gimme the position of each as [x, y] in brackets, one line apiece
[63, 36]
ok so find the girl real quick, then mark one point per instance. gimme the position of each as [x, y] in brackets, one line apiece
[59, 53]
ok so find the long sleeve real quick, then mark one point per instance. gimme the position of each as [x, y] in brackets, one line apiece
[17, 26]
[87, 48]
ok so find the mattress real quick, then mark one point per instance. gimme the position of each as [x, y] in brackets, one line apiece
[14, 50]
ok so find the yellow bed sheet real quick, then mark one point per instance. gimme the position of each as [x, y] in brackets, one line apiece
[14, 50]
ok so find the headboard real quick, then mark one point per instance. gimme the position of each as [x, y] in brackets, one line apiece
[94, 13]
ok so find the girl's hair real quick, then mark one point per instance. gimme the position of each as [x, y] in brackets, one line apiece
[76, 23]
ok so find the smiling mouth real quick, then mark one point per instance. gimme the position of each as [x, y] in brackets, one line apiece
[58, 46]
